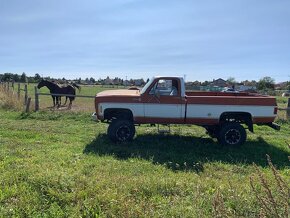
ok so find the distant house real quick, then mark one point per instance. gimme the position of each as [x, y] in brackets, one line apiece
[126, 82]
[139, 82]
[192, 85]
[108, 81]
[282, 85]
[219, 83]
[117, 81]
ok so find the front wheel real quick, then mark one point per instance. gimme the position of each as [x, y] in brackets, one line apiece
[232, 134]
[121, 130]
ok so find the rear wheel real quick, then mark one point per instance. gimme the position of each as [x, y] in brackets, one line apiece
[121, 130]
[232, 134]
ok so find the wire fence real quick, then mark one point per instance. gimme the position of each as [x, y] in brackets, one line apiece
[34, 99]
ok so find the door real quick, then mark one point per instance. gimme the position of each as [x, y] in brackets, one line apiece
[163, 103]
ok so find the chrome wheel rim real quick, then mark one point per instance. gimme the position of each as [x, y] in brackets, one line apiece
[232, 136]
[123, 133]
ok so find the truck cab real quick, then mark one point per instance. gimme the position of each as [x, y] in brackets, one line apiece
[164, 100]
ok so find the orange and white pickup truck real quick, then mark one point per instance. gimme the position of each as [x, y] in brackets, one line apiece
[163, 100]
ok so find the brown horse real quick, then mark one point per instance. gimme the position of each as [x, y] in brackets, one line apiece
[55, 89]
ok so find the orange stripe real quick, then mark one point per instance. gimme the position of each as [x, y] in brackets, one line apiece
[263, 119]
[157, 120]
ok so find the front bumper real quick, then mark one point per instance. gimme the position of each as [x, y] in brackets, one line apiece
[95, 117]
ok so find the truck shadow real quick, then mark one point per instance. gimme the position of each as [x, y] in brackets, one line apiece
[188, 153]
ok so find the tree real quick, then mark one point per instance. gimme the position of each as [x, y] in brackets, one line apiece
[37, 77]
[15, 77]
[23, 78]
[231, 81]
[79, 80]
[92, 80]
[7, 77]
[266, 83]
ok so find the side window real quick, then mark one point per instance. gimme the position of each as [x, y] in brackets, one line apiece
[165, 87]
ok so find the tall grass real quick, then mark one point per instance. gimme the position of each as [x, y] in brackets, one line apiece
[9, 101]
[271, 192]
[273, 198]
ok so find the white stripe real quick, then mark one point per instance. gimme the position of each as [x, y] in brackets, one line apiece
[214, 111]
[193, 110]
[164, 110]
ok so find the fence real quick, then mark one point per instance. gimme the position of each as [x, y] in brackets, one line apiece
[37, 94]
[287, 109]
[21, 91]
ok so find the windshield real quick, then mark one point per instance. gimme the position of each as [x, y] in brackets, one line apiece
[147, 85]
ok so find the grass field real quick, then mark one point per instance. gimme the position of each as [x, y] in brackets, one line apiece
[61, 164]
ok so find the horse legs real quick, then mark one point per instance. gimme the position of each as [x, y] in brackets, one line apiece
[65, 100]
[53, 100]
[70, 103]
[58, 101]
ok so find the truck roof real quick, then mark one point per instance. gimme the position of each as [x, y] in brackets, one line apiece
[175, 77]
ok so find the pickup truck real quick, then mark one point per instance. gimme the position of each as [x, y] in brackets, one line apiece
[163, 100]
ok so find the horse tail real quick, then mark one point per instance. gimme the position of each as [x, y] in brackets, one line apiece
[76, 86]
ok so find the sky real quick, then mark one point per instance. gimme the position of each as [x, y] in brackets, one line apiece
[201, 40]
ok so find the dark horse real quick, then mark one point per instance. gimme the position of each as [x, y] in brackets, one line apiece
[56, 89]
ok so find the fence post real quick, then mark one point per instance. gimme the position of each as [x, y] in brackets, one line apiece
[288, 109]
[27, 105]
[36, 99]
[13, 85]
[18, 91]
[8, 84]
[25, 94]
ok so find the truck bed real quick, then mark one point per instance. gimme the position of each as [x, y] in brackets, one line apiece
[223, 98]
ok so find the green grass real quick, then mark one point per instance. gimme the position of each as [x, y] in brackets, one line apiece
[55, 164]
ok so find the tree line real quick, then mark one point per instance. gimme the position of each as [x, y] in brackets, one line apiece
[9, 77]
[265, 83]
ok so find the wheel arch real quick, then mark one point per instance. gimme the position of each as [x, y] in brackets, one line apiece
[118, 113]
[239, 117]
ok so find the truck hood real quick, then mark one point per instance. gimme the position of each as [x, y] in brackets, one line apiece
[119, 92]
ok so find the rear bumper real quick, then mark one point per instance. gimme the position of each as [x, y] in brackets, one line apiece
[274, 126]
